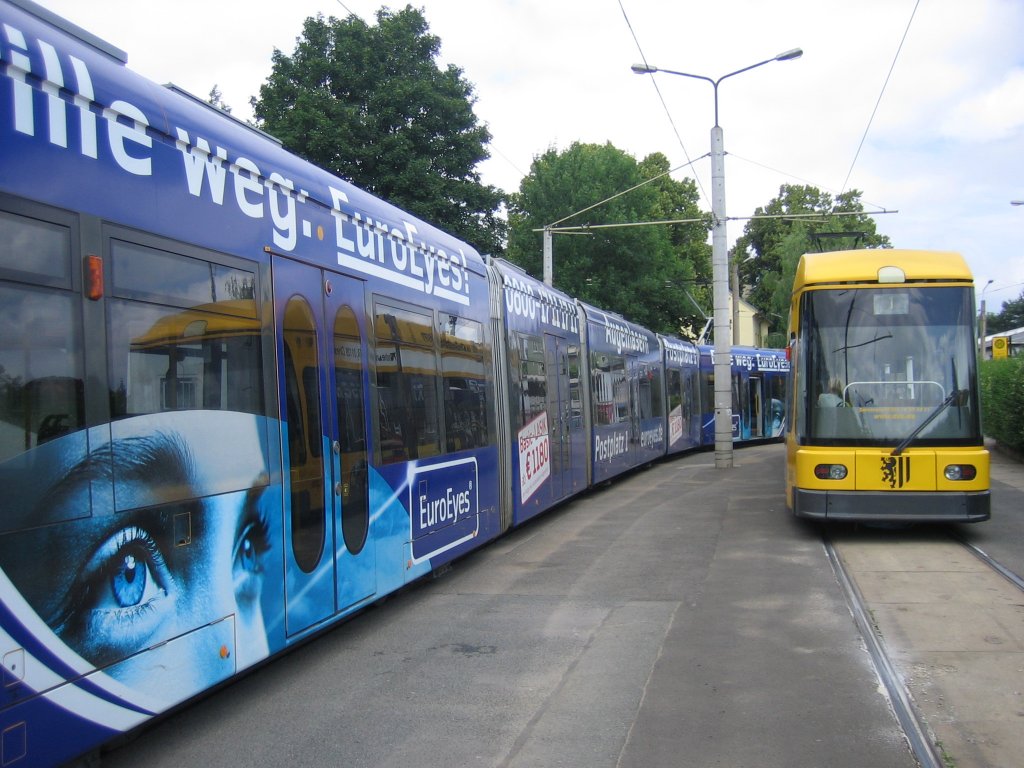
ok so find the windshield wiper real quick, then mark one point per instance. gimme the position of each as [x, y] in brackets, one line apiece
[954, 394]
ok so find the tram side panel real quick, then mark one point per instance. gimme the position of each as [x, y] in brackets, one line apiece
[759, 382]
[682, 394]
[758, 379]
[627, 394]
[546, 376]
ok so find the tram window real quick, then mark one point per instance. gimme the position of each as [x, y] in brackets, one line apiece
[533, 377]
[349, 399]
[41, 350]
[575, 393]
[164, 359]
[407, 397]
[464, 373]
[37, 250]
[293, 409]
[302, 392]
[888, 367]
[202, 352]
[610, 387]
[41, 369]
[740, 397]
[675, 389]
[776, 402]
[707, 388]
[650, 393]
[691, 396]
[140, 272]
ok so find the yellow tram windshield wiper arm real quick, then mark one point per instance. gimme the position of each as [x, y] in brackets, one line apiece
[953, 395]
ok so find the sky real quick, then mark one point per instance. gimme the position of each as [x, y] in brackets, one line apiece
[919, 104]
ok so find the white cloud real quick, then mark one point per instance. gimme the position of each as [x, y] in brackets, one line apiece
[997, 113]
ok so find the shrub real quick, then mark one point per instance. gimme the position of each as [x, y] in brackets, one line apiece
[1002, 400]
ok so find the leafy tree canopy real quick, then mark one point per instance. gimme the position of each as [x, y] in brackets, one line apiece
[641, 272]
[1010, 318]
[771, 246]
[216, 99]
[370, 104]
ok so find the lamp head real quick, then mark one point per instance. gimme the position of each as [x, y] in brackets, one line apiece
[793, 53]
[643, 69]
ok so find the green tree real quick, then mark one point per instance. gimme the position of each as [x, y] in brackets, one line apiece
[371, 104]
[216, 99]
[773, 241]
[1009, 318]
[640, 272]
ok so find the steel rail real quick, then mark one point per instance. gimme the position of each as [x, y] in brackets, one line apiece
[994, 564]
[913, 728]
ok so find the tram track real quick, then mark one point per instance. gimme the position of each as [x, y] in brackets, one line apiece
[990, 561]
[907, 715]
[929, 617]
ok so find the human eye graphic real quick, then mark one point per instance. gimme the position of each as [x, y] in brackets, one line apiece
[120, 597]
[251, 544]
[128, 578]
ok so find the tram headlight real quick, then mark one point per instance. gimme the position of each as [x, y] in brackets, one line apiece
[830, 471]
[960, 472]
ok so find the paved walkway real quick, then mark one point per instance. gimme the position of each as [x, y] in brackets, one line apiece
[679, 617]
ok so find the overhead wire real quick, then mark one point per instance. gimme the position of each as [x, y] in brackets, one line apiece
[800, 178]
[664, 106]
[348, 10]
[881, 93]
[620, 194]
[675, 130]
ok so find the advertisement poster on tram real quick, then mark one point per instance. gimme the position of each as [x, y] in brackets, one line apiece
[534, 453]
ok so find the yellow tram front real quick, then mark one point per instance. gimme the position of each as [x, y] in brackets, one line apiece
[885, 421]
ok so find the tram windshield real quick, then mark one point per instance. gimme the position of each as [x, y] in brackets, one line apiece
[881, 362]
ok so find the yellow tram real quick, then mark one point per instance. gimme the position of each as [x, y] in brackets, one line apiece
[884, 411]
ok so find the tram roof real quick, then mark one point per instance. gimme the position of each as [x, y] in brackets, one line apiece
[862, 266]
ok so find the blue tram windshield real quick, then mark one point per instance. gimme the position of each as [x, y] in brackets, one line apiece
[878, 362]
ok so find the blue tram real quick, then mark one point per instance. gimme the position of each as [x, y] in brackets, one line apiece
[543, 420]
[626, 369]
[241, 399]
[759, 378]
[683, 396]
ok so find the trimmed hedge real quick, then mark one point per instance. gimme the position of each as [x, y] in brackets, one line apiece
[1002, 400]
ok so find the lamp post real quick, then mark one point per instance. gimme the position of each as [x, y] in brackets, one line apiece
[982, 321]
[720, 263]
[548, 266]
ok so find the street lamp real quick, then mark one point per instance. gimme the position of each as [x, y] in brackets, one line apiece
[720, 262]
[982, 320]
[1017, 202]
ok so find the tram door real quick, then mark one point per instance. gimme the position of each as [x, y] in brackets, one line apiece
[756, 408]
[556, 354]
[322, 362]
[633, 377]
